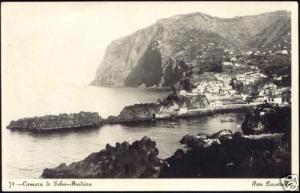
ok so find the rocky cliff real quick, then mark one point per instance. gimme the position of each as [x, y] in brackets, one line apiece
[170, 49]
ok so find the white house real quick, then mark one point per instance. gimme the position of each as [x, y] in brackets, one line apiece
[275, 99]
[191, 94]
[182, 92]
[262, 93]
[278, 100]
[182, 110]
[244, 96]
[233, 59]
[249, 53]
[262, 75]
[195, 90]
[215, 103]
[227, 64]
[270, 86]
[261, 99]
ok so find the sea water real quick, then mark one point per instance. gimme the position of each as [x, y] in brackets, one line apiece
[25, 154]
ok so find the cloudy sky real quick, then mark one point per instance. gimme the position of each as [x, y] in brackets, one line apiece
[63, 43]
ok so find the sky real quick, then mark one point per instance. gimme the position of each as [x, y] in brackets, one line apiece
[50, 43]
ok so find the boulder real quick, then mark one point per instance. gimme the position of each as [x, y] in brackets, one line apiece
[221, 133]
[192, 141]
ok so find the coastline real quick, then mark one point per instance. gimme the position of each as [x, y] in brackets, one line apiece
[132, 87]
[117, 120]
[191, 113]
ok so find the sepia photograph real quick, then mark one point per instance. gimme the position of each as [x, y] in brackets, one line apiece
[149, 96]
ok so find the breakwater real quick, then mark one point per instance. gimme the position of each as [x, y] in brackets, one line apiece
[88, 119]
[234, 108]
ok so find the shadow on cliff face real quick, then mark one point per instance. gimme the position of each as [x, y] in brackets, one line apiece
[148, 70]
[153, 70]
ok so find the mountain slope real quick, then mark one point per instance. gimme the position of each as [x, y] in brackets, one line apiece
[173, 48]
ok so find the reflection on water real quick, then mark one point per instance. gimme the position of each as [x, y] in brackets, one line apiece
[30, 153]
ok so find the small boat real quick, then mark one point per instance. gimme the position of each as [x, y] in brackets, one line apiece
[228, 120]
[170, 126]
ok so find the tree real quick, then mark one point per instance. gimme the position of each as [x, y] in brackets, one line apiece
[233, 82]
[187, 84]
[253, 91]
[286, 96]
[239, 86]
[249, 99]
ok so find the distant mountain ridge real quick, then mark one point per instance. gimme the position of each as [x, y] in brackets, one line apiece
[165, 52]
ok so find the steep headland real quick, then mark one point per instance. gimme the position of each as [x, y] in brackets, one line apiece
[176, 47]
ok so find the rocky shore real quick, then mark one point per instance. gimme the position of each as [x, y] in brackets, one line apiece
[136, 160]
[222, 154]
[230, 155]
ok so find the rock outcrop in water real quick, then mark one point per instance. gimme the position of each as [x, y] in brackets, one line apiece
[164, 108]
[136, 160]
[174, 47]
[56, 122]
[140, 111]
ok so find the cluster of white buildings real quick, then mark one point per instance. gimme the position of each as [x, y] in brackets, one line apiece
[216, 91]
[250, 77]
[271, 93]
[283, 51]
